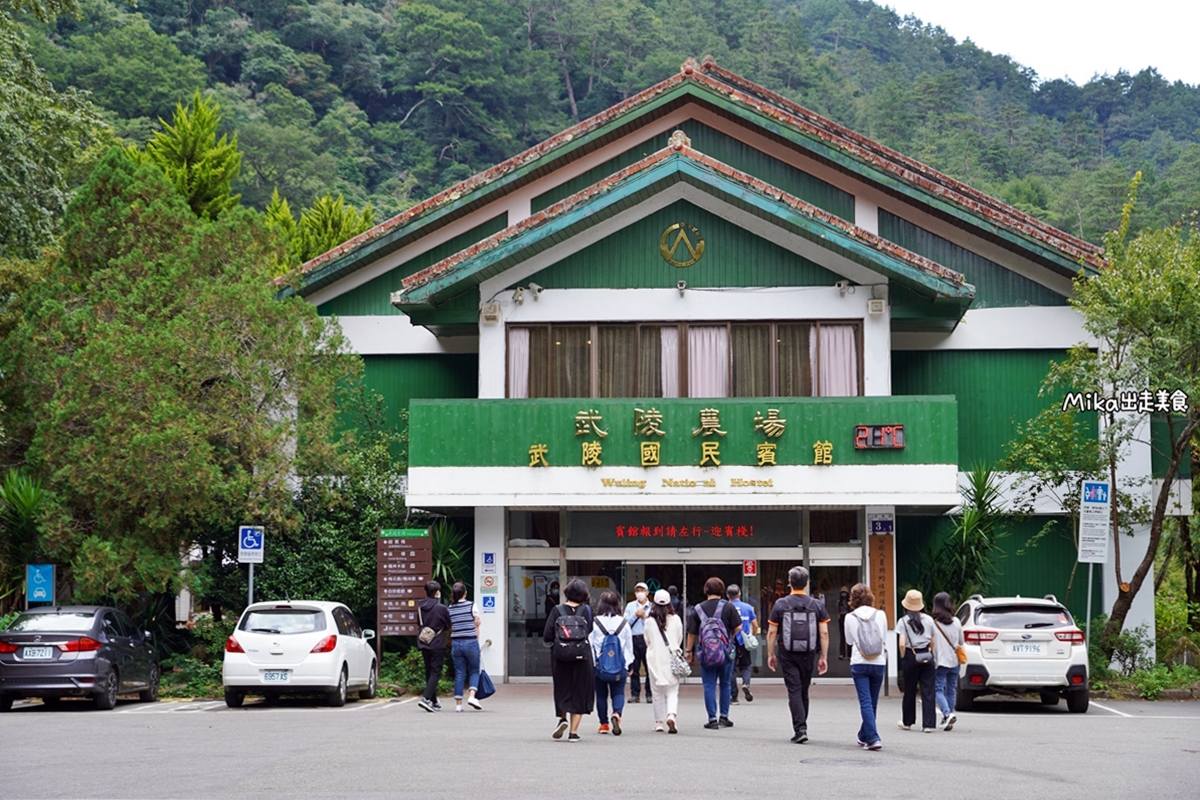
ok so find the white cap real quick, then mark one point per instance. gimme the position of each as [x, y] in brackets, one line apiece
[641, 586]
[662, 597]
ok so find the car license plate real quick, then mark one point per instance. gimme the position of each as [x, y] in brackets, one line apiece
[275, 676]
[30, 653]
[1027, 649]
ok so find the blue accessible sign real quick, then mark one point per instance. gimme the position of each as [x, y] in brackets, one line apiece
[250, 544]
[39, 583]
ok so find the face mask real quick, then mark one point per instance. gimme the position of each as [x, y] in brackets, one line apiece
[641, 596]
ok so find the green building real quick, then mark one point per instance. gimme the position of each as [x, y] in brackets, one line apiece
[709, 332]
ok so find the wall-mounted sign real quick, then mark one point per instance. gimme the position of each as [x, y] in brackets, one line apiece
[684, 528]
[681, 245]
[881, 574]
[879, 437]
[750, 568]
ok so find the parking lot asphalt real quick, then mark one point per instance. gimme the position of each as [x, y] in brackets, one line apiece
[383, 749]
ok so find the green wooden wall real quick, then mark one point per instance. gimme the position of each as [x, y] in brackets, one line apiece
[374, 298]
[728, 150]
[996, 390]
[399, 379]
[995, 286]
[1030, 570]
[630, 258]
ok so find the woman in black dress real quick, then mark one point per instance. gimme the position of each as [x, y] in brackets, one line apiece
[573, 671]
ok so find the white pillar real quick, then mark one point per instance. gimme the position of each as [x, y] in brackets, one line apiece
[489, 538]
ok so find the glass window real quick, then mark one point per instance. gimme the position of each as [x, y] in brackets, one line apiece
[616, 358]
[650, 362]
[708, 361]
[795, 360]
[539, 362]
[283, 621]
[751, 360]
[52, 623]
[1023, 617]
[572, 360]
[832, 527]
[112, 629]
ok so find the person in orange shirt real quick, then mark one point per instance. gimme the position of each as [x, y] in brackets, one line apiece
[801, 625]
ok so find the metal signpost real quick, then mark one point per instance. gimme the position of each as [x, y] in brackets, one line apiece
[250, 550]
[39, 584]
[1095, 517]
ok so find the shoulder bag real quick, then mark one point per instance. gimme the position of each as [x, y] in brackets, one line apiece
[959, 650]
[924, 656]
[426, 634]
[680, 668]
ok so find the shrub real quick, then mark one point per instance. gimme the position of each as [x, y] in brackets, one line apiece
[407, 672]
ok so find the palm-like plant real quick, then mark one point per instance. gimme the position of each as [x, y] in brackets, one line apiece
[962, 564]
[451, 555]
[21, 501]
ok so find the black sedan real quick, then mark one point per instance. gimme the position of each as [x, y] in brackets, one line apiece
[76, 651]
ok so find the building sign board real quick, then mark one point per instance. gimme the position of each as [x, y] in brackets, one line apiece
[881, 573]
[684, 528]
[1095, 516]
[404, 564]
[750, 568]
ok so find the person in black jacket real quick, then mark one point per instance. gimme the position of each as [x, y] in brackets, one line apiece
[571, 664]
[435, 616]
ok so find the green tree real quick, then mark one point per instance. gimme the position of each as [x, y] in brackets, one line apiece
[199, 165]
[328, 222]
[166, 391]
[42, 132]
[1142, 310]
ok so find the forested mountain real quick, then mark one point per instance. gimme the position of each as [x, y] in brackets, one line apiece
[388, 102]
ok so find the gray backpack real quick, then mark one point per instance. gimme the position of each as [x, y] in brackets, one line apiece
[869, 641]
[800, 628]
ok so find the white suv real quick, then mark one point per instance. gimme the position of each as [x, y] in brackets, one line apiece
[298, 647]
[1021, 644]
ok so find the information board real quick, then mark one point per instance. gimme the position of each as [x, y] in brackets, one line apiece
[404, 559]
[1095, 516]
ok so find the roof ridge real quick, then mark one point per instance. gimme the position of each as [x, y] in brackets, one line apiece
[679, 145]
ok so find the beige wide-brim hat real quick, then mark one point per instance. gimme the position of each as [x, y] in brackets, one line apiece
[913, 600]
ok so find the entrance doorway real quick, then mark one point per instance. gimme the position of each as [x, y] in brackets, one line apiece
[832, 585]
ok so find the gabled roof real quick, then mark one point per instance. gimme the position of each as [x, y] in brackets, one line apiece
[733, 96]
[649, 176]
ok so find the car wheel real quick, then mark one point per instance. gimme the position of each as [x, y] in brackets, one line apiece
[234, 699]
[1049, 698]
[337, 697]
[369, 692]
[106, 698]
[965, 701]
[1077, 702]
[150, 693]
[6, 701]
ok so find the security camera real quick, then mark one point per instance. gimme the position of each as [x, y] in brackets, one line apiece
[519, 295]
[536, 289]
[681, 285]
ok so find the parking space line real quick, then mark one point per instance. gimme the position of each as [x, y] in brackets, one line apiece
[1111, 710]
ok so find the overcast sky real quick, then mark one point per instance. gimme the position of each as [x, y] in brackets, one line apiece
[1074, 39]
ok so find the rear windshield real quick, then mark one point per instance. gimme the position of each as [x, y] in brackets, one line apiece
[53, 623]
[283, 620]
[1023, 617]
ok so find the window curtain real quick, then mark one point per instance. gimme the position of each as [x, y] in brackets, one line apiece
[616, 361]
[795, 360]
[539, 362]
[838, 375]
[751, 360]
[518, 362]
[708, 361]
[670, 361]
[572, 361]
[650, 352]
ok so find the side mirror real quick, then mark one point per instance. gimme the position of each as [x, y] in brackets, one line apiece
[368, 634]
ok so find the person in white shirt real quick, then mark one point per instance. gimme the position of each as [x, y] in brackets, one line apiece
[636, 612]
[608, 621]
[868, 659]
[948, 637]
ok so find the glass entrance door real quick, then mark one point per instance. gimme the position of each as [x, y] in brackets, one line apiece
[533, 590]
[832, 585]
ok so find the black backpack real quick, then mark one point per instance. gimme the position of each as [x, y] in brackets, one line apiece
[571, 631]
[799, 627]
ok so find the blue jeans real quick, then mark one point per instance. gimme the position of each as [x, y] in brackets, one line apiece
[867, 680]
[615, 689]
[711, 677]
[946, 687]
[465, 653]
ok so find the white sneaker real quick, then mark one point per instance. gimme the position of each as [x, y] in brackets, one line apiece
[458, 708]
[474, 703]
[950, 720]
[903, 727]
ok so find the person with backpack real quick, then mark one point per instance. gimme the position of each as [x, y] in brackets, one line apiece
[613, 650]
[568, 631]
[665, 663]
[866, 632]
[636, 611]
[741, 663]
[801, 626]
[916, 655]
[948, 638]
[432, 616]
[712, 625]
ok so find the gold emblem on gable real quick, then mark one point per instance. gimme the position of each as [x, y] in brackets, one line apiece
[681, 245]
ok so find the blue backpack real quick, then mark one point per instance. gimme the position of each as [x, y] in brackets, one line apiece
[610, 666]
[714, 647]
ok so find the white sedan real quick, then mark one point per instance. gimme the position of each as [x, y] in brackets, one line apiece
[298, 647]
